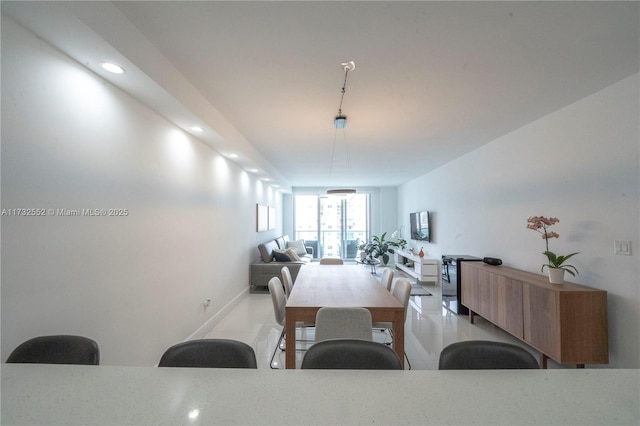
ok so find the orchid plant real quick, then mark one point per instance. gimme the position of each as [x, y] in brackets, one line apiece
[541, 225]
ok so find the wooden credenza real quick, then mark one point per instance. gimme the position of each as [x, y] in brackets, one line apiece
[567, 322]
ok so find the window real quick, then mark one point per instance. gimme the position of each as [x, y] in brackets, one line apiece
[332, 225]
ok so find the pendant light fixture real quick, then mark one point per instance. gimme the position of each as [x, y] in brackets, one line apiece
[340, 122]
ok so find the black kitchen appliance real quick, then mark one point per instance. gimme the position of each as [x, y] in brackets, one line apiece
[451, 280]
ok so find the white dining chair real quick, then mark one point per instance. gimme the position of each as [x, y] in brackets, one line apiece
[402, 292]
[343, 323]
[287, 281]
[387, 278]
[279, 301]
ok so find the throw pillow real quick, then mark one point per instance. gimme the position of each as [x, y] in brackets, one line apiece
[293, 255]
[281, 256]
[297, 246]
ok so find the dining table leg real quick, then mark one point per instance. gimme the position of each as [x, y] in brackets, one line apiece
[398, 335]
[290, 339]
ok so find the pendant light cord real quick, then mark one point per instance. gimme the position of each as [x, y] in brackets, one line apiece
[346, 150]
[344, 89]
[333, 154]
[347, 66]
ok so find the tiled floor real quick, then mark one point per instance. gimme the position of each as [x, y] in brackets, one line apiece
[428, 329]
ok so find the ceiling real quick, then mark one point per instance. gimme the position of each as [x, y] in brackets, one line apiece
[433, 80]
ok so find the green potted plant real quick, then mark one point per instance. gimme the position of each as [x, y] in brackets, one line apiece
[555, 263]
[380, 247]
[401, 242]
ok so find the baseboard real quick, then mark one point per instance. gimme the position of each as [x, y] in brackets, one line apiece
[205, 328]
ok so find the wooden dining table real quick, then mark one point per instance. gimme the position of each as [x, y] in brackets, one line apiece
[318, 286]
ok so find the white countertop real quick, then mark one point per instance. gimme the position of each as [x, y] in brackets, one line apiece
[62, 394]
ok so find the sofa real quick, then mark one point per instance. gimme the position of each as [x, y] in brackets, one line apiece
[274, 254]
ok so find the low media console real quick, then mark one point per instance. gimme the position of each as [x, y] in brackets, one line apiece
[421, 268]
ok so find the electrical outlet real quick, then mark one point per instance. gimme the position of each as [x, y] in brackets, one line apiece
[622, 247]
[206, 303]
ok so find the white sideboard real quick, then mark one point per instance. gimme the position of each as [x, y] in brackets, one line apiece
[421, 268]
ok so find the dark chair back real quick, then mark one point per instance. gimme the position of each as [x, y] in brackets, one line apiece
[351, 354]
[210, 353]
[481, 354]
[60, 349]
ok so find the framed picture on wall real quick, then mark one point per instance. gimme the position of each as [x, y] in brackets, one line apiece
[262, 218]
[272, 218]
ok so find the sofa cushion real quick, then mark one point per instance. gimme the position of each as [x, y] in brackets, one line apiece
[281, 243]
[298, 247]
[281, 256]
[266, 250]
[293, 255]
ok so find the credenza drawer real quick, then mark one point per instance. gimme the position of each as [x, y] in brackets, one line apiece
[428, 269]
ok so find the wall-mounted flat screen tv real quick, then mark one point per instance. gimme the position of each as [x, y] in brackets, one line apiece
[420, 226]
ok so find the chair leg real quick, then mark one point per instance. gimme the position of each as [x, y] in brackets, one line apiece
[275, 351]
[384, 330]
[282, 345]
[391, 344]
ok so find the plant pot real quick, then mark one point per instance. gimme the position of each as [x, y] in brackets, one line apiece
[556, 275]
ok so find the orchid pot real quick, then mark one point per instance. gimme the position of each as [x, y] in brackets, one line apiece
[556, 275]
[555, 263]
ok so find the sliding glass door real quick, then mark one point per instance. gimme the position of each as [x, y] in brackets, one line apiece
[332, 225]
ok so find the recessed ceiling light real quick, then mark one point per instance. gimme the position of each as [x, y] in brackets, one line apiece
[197, 129]
[252, 170]
[116, 69]
[265, 179]
[232, 155]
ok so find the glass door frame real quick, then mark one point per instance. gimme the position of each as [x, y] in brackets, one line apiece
[319, 247]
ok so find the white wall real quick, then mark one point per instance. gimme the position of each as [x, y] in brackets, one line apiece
[135, 283]
[388, 210]
[382, 207]
[580, 164]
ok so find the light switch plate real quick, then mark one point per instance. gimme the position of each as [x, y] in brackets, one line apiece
[622, 247]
